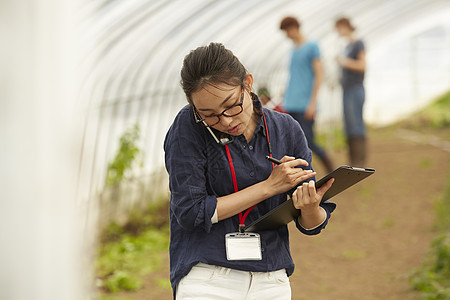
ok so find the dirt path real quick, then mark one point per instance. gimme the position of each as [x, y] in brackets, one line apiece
[377, 236]
[380, 231]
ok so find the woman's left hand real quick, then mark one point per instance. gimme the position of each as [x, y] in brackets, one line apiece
[306, 198]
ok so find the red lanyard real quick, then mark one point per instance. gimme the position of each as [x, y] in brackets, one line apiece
[242, 217]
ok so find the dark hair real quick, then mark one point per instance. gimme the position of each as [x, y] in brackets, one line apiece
[209, 65]
[289, 22]
[344, 22]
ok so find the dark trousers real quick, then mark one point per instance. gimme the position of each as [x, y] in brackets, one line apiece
[307, 126]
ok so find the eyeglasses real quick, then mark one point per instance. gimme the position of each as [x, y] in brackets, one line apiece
[212, 120]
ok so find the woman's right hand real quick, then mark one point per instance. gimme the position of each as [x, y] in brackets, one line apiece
[286, 176]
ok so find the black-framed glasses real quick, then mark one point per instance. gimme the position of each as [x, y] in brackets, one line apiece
[212, 120]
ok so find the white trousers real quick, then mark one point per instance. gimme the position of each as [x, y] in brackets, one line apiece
[218, 283]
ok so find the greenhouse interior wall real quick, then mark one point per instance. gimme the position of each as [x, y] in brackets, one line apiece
[80, 74]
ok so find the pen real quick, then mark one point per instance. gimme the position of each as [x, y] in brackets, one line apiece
[274, 160]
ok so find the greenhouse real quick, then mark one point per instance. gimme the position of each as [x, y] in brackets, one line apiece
[90, 89]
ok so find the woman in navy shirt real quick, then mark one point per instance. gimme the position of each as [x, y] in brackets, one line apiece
[220, 180]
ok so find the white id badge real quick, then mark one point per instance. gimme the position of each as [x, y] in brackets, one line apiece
[243, 246]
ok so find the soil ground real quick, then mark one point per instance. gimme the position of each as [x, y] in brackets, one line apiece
[378, 235]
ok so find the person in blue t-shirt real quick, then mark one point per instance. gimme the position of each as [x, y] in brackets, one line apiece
[220, 181]
[353, 67]
[305, 78]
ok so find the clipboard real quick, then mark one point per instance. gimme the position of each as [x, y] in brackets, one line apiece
[344, 177]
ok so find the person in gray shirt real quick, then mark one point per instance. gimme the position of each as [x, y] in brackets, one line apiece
[353, 67]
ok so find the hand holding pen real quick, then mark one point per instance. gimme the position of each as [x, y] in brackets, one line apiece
[285, 175]
[306, 197]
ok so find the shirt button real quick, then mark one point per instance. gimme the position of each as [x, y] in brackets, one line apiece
[252, 174]
[250, 147]
[243, 146]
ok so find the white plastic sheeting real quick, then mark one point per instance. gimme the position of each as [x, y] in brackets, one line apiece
[41, 254]
[133, 50]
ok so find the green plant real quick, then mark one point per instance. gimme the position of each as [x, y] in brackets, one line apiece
[442, 208]
[433, 279]
[436, 115]
[122, 263]
[122, 280]
[439, 112]
[127, 253]
[126, 155]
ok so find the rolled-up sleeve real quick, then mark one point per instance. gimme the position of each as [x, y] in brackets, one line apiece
[185, 162]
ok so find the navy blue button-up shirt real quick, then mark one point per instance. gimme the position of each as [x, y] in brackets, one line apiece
[199, 172]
